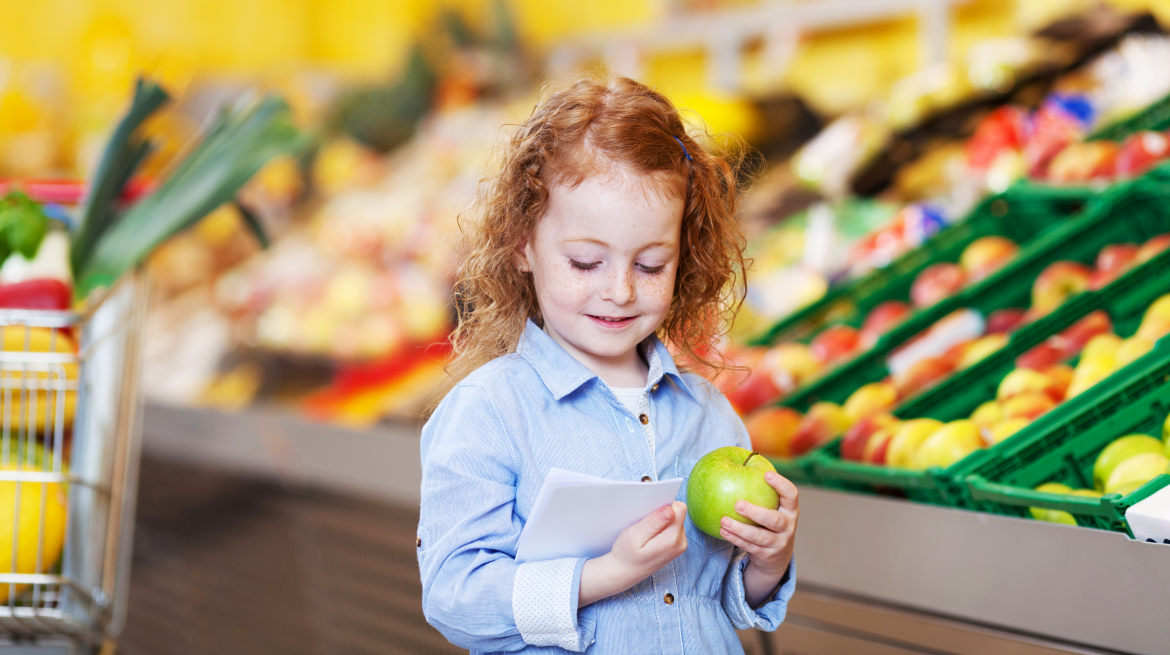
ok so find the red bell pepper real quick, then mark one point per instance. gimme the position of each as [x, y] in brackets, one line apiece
[36, 294]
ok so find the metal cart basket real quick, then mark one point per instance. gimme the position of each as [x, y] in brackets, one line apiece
[70, 440]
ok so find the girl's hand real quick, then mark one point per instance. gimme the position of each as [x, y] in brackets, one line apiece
[640, 550]
[770, 544]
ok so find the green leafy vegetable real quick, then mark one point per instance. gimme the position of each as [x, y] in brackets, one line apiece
[22, 225]
[238, 145]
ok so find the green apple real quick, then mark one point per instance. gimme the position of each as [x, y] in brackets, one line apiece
[724, 477]
[1120, 450]
[1135, 472]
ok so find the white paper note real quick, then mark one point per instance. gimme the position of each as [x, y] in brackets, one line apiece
[579, 515]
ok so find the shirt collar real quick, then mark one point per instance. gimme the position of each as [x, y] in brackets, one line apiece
[563, 374]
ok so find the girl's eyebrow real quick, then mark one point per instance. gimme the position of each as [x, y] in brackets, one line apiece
[655, 244]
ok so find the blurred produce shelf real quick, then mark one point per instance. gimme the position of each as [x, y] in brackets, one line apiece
[938, 580]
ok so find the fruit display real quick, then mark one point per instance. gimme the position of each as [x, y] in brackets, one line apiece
[1034, 388]
[781, 369]
[957, 342]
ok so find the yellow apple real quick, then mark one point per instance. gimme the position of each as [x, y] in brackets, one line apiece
[981, 348]
[1103, 346]
[987, 414]
[1005, 429]
[1156, 320]
[1088, 373]
[947, 445]
[1133, 348]
[1135, 472]
[1022, 380]
[870, 399]
[1120, 450]
[1044, 514]
[908, 438]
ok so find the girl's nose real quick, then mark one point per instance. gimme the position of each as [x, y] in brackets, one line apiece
[621, 288]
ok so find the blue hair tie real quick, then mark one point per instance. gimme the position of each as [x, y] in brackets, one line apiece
[684, 147]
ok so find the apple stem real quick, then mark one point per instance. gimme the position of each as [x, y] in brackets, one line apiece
[754, 453]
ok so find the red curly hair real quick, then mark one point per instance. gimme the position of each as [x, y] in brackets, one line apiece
[588, 127]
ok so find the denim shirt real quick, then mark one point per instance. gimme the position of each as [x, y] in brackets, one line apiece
[485, 453]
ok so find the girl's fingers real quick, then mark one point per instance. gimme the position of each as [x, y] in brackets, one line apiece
[749, 533]
[736, 541]
[769, 519]
[789, 497]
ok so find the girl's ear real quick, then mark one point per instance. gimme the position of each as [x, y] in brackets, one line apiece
[523, 255]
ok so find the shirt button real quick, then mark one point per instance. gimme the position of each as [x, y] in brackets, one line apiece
[668, 599]
[654, 388]
[646, 478]
[644, 419]
[418, 542]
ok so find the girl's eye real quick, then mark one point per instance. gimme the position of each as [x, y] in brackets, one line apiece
[582, 266]
[652, 270]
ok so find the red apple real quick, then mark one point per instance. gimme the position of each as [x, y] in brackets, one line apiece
[1041, 357]
[1005, 321]
[1074, 338]
[937, 282]
[1152, 247]
[1140, 152]
[1112, 261]
[1001, 130]
[882, 319]
[1056, 283]
[835, 344]
[854, 441]
[987, 255]
[1081, 162]
[878, 445]
[921, 375]
[1061, 376]
[755, 389]
[772, 429]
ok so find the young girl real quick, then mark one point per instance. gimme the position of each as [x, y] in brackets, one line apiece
[607, 232]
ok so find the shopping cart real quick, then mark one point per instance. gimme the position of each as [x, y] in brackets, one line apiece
[70, 437]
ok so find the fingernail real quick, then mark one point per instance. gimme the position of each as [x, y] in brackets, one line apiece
[726, 522]
[664, 512]
[740, 506]
[769, 476]
[724, 533]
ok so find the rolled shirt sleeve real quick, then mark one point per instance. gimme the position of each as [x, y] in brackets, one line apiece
[474, 593]
[768, 616]
[544, 602]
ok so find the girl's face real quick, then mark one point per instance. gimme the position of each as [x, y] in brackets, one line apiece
[603, 259]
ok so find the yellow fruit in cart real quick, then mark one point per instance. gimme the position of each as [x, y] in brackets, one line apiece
[1166, 430]
[35, 391]
[1156, 320]
[30, 531]
[1133, 348]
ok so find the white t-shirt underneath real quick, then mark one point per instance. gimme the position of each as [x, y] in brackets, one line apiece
[629, 396]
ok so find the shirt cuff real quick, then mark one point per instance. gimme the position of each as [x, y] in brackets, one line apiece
[768, 616]
[544, 604]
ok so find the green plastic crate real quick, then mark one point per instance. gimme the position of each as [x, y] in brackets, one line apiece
[1133, 212]
[1021, 213]
[1078, 238]
[1065, 451]
[1155, 117]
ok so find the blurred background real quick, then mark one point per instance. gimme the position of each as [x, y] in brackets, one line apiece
[285, 384]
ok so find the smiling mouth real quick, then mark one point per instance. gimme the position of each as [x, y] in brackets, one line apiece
[612, 321]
